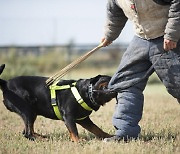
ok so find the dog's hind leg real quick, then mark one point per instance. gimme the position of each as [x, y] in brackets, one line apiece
[29, 120]
[90, 126]
[16, 104]
[28, 131]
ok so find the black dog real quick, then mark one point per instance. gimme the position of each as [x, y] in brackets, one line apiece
[29, 96]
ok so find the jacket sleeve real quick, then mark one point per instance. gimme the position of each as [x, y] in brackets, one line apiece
[172, 30]
[116, 21]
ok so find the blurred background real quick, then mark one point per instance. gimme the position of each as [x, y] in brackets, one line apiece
[40, 37]
[57, 22]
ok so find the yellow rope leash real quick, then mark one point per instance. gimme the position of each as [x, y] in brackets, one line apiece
[56, 77]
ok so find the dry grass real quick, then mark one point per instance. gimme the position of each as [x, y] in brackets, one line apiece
[160, 130]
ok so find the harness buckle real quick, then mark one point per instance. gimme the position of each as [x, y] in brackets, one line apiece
[53, 102]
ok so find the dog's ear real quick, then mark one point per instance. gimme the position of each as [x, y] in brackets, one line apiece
[100, 82]
[2, 68]
[95, 79]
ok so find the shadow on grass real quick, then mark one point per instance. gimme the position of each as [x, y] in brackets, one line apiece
[166, 135]
[64, 136]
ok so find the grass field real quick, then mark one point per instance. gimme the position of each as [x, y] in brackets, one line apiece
[160, 130]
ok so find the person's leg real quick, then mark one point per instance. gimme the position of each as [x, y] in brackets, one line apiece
[167, 66]
[128, 111]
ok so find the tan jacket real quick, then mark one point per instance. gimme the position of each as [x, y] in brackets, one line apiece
[150, 19]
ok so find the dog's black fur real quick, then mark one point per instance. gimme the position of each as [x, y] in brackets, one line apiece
[29, 96]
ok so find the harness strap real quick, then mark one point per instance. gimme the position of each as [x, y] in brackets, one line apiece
[79, 99]
[54, 103]
[76, 94]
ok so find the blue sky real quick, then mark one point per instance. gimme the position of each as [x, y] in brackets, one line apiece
[42, 22]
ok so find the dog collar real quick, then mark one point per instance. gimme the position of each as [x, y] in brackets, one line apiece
[90, 93]
[76, 94]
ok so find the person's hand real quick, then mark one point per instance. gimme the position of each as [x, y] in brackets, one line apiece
[105, 42]
[168, 45]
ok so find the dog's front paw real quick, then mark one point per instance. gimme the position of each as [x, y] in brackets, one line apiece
[105, 135]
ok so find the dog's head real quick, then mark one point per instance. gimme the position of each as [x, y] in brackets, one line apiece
[98, 91]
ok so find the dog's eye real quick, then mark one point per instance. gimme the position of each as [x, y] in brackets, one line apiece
[103, 85]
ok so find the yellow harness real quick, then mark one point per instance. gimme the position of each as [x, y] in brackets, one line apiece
[76, 94]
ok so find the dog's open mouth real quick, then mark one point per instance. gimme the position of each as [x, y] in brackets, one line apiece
[105, 91]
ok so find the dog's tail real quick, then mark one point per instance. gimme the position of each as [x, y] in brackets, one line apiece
[2, 82]
[2, 68]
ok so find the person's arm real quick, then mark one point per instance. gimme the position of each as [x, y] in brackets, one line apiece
[116, 21]
[172, 30]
